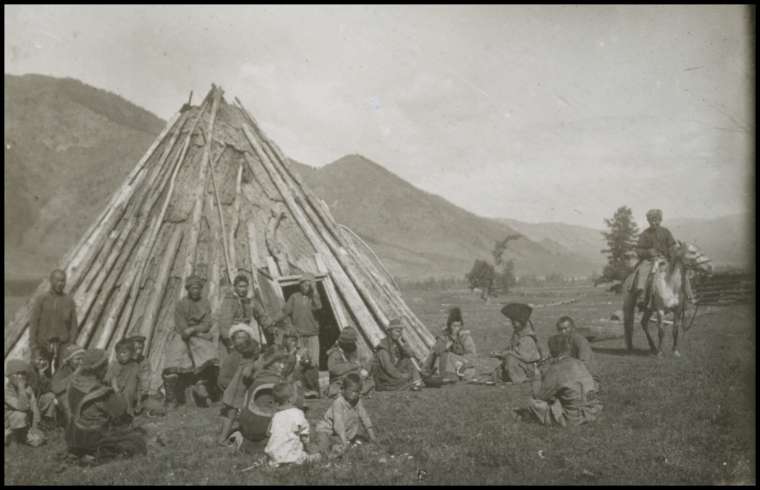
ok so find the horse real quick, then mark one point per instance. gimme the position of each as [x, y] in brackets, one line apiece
[668, 295]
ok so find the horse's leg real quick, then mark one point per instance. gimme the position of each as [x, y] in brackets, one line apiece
[645, 326]
[660, 331]
[629, 311]
[676, 327]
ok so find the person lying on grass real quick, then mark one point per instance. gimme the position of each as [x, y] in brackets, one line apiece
[72, 359]
[243, 360]
[521, 357]
[394, 367]
[343, 359]
[451, 355]
[123, 376]
[22, 415]
[566, 394]
[288, 430]
[100, 426]
[345, 420]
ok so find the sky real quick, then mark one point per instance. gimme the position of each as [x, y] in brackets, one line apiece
[542, 113]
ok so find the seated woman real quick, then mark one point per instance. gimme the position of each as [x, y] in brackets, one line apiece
[100, 426]
[342, 360]
[452, 354]
[191, 350]
[521, 357]
[394, 367]
[243, 363]
[22, 414]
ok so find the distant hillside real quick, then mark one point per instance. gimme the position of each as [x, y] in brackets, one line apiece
[420, 234]
[67, 147]
[728, 240]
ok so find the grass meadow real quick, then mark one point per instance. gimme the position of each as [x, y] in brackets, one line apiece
[688, 420]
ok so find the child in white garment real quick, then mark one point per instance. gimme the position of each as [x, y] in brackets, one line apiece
[288, 431]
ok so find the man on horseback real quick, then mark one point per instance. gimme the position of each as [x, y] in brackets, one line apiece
[656, 241]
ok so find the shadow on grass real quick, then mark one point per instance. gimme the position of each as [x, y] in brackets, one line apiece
[622, 352]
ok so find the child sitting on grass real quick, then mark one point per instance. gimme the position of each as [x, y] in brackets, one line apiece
[123, 376]
[288, 431]
[343, 422]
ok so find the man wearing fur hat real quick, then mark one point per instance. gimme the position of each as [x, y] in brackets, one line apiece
[191, 350]
[521, 357]
[300, 308]
[99, 427]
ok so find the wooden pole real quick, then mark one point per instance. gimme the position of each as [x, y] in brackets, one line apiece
[230, 275]
[236, 218]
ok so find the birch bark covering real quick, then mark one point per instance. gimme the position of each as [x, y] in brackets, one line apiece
[214, 196]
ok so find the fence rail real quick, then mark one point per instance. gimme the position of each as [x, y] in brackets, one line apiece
[725, 289]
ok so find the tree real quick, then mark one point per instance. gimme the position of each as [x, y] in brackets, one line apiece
[621, 238]
[500, 246]
[505, 278]
[481, 276]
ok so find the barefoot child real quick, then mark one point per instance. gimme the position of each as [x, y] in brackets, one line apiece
[288, 431]
[343, 422]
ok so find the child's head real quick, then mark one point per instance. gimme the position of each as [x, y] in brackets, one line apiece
[352, 386]
[283, 393]
[290, 339]
[123, 351]
[241, 285]
[40, 363]
[138, 344]
[17, 369]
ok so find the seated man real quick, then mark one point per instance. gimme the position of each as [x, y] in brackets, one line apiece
[72, 359]
[22, 415]
[451, 355]
[567, 392]
[240, 307]
[343, 359]
[99, 427]
[394, 368]
[521, 357]
[656, 241]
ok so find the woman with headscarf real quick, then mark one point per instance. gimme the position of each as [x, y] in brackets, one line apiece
[521, 357]
[191, 349]
[100, 427]
[343, 359]
[394, 368]
[452, 354]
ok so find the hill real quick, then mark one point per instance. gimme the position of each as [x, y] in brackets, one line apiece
[419, 234]
[67, 147]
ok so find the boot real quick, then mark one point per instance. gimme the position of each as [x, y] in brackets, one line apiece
[172, 389]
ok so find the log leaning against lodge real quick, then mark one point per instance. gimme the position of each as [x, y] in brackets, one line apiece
[167, 221]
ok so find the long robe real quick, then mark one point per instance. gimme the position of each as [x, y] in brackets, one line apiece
[525, 344]
[53, 318]
[392, 361]
[449, 352]
[567, 395]
[99, 424]
[340, 364]
[200, 349]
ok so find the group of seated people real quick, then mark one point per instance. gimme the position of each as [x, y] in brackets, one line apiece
[96, 401]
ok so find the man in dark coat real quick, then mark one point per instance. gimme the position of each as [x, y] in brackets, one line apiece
[53, 323]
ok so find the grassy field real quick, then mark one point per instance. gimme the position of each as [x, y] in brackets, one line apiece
[665, 421]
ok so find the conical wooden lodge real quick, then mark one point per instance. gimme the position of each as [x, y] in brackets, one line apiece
[214, 196]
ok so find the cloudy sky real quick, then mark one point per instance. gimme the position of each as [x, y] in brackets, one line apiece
[537, 113]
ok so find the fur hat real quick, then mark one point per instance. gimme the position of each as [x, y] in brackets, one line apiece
[242, 327]
[517, 312]
[455, 315]
[348, 335]
[194, 280]
[241, 278]
[16, 366]
[93, 359]
[654, 213]
[70, 351]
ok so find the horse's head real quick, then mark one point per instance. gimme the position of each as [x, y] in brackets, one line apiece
[691, 257]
